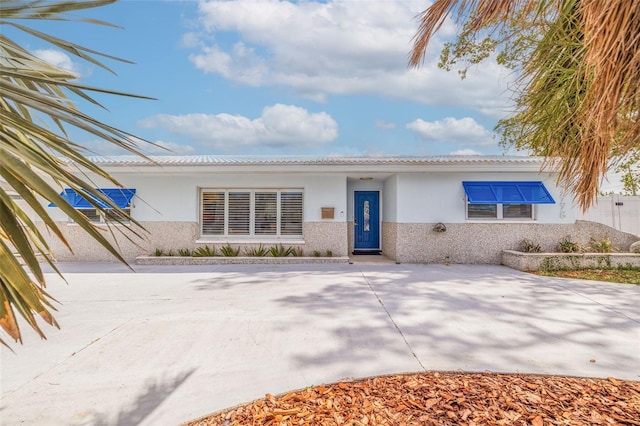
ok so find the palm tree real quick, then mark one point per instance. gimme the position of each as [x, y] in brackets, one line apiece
[36, 107]
[579, 98]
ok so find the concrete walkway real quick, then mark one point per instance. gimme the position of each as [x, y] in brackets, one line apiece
[170, 344]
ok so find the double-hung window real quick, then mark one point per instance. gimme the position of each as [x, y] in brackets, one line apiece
[504, 200]
[251, 212]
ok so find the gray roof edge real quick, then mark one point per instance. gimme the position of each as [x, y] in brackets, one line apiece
[229, 160]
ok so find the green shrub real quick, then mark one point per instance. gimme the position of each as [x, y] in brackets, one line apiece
[158, 252]
[229, 251]
[184, 252]
[528, 246]
[204, 251]
[316, 253]
[566, 245]
[259, 251]
[329, 253]
[603, 246]
[280, 251]
[298, 252]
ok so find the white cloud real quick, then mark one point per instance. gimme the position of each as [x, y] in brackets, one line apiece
[465, 131]
[170, 148]
[465, 152]
[337, 47]
[385, 125]
[278, 126]
[102, 147]
[190, 40]
[58, 59]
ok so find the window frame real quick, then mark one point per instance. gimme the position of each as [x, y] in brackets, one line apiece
[102, 218]
[500, 212]
[253, 213]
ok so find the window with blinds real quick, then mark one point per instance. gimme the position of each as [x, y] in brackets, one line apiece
[291, 213]
[266, 208]
[251, 212]
[239, 211]
[112, 215]
[213, 213]
[92, 214]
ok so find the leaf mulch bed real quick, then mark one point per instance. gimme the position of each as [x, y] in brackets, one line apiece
[446, 399]
[628, 276]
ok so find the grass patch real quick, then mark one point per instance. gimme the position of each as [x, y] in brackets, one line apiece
[625, 276]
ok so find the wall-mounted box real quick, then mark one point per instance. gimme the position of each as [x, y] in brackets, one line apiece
[327, 212]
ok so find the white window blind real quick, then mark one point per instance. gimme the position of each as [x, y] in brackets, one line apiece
[266, 213]
[500, 211]
[109, 216]
[239, 213]
[91, 214]
[112, 215]
[213, 213]
[251, 212]
[291, 213]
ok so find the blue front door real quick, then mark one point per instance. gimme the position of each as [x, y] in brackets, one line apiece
[366, 220]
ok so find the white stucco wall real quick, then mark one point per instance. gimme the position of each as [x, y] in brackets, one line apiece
[167, 198]
[405, 197]
[440, 197]
[390, 202]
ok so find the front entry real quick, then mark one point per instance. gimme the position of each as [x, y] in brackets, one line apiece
[366, 222]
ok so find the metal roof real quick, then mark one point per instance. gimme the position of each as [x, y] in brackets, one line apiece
[222, 160]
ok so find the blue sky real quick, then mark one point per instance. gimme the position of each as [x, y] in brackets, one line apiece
[277, 77]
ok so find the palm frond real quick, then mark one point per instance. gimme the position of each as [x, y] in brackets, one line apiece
[37, 159]
[579, 95]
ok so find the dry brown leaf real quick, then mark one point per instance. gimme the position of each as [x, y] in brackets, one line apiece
[431, 402]
[439, 398]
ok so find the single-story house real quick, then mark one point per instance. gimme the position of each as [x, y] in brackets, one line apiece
[458, 209]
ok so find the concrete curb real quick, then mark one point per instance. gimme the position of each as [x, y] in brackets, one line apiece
[237, 260]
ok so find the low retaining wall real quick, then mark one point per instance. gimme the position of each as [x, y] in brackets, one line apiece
[557, 261]
[240, 260]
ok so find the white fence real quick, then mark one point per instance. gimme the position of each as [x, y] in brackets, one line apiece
[617, 211]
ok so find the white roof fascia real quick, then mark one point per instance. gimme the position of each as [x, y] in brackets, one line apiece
[404, 164]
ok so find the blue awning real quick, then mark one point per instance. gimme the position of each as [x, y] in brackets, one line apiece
[120, 197]
[512, 192]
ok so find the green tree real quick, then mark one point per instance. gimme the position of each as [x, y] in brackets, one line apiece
[629, 167]
[38, 102]
[578, 97]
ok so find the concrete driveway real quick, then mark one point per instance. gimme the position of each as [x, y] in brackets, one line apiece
[169, 344]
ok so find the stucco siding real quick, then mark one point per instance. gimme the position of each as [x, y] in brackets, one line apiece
[390, 201]
[164, 198]
[323, 236]
[173, 236]
[439, 197]
[158, 235]
[389, 239]
[484, 243]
